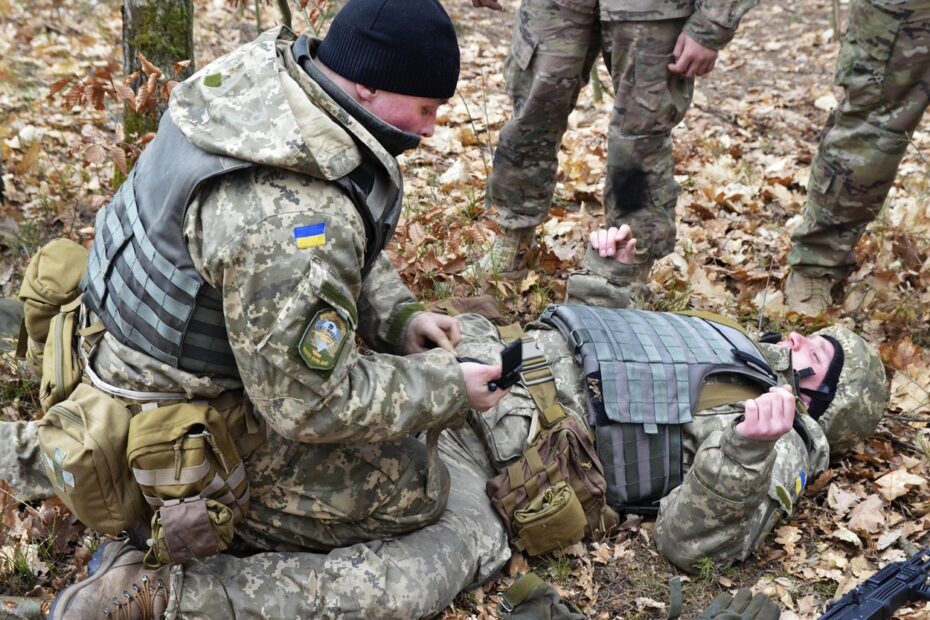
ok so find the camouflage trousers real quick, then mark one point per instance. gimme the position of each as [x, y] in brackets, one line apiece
[312, 496]
[411, 576]
[552, 52]
[884, 69]
[21, 461]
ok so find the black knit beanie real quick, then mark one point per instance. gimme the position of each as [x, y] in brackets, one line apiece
[403, 46]
[823, 395]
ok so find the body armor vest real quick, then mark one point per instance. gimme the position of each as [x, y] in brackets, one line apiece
[644, 372]
[141, 279]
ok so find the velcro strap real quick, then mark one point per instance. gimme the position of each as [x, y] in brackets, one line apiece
[167, 477]
[519, 591]
[188, 530]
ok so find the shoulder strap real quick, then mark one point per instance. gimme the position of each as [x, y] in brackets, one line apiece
[539, 382]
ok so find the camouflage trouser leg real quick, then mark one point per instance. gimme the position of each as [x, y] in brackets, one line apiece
[884, 67]
[416, 575]
[324, 496]
[550, 59]
[641, 190]
[21, 461]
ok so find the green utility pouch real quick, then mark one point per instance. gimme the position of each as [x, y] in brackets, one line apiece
[553, 518]
[83, 445]
[191, 473]
[52, 280]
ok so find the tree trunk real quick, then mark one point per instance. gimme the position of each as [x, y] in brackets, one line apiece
[163, 31]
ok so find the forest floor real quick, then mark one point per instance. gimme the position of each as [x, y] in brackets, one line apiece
[743, 156]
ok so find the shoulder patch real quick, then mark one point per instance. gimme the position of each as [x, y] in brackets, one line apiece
[323, 340]
[310, 236]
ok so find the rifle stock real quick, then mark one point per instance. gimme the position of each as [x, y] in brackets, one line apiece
[885, 591]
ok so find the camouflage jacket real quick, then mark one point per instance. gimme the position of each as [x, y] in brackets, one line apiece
[293, 308]
[735, 488]
[711, 23]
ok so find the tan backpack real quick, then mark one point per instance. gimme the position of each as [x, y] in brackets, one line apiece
[52, 280]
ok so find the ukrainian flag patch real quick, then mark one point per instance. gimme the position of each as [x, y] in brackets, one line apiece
[310, 236]
[800, 482]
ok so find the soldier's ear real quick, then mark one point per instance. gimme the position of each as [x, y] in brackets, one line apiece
[365, 94]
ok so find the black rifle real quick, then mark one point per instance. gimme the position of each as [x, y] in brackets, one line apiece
[885, 591]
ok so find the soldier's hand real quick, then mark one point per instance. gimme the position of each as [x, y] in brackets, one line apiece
[769, 416]
[616, 243]
[494, 5]
[477, 377]
[692, 58]
[431, 329]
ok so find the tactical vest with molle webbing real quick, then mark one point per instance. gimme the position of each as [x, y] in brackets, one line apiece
[645, 374]
[141, 280]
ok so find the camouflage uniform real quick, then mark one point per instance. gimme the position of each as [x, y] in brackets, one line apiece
[735, 488]
[21, 463]
[555, 43]
[884, 68]
[342, 467]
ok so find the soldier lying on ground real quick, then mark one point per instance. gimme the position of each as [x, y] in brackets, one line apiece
[746, 459]
[746, 464]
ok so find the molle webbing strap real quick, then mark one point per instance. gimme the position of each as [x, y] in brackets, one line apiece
[537, 378]
[646, 374]
[141, 280]
[651, 365]
[640, 468]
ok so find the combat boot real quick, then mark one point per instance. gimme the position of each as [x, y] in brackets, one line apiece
[807, 294]
[119, 587]
[504, 258]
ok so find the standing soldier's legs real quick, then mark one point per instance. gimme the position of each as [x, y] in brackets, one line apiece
[413, 576]
[21, 463]
[884, 68]
[314, 496]
[550, 59]
[641, 190]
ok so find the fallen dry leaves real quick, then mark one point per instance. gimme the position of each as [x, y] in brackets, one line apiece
[743, 156]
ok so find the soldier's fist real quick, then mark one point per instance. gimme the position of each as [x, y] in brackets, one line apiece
[692, 58]
[616, 243]
[477, 377]
[769, 416]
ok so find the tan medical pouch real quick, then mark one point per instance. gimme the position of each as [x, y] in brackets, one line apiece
[83, 445]
[552, 519]
[191, 473]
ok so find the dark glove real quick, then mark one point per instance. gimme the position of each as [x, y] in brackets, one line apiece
[743, 606]
[531, 598]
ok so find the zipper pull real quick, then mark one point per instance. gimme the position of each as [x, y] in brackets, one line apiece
[177, 458]
[219, 455]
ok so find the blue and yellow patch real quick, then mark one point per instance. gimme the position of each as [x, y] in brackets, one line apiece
[800, 482]
[323, 340]
[310, 236]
